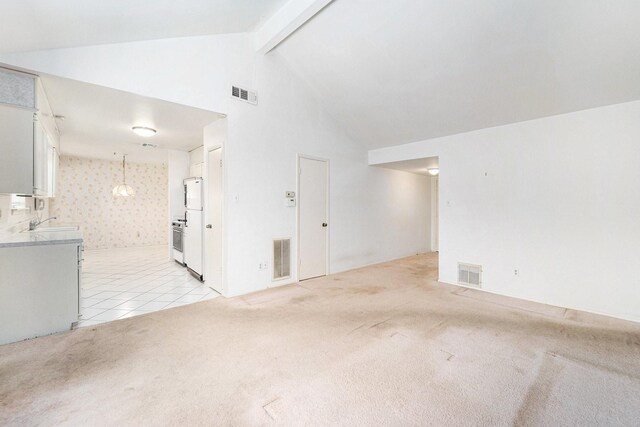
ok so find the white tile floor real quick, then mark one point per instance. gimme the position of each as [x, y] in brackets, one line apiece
[120, 283]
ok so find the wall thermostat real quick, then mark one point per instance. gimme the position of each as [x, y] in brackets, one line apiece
[290, 199]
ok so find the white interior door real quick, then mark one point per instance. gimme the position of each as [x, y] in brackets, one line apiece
[313, 218]
[213, 228]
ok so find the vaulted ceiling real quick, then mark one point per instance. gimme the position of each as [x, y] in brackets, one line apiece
[44, 24]
[393, 71]
[398, 71]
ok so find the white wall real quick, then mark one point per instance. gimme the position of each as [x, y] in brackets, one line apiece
[376, 214]
[196, 162]
[196, 156]
[554, 198]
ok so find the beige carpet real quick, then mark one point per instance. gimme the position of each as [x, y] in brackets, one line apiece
[383, 345]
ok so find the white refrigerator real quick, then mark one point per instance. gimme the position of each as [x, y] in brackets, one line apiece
[193, 229]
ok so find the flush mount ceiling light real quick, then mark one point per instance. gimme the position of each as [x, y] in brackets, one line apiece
[433, 171]
[144, 131]
[123, 189]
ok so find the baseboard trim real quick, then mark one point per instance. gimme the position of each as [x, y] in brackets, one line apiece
[597, 313]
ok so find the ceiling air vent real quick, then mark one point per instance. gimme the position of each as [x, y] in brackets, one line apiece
[244, 95]
[281, 259]
[469, 274]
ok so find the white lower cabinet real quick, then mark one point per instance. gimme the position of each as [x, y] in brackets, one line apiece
[39, 290]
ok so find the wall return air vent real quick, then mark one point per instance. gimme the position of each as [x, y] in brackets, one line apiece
[244, 95]
[470, 275]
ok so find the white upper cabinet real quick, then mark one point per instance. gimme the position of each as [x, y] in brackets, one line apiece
[16, 150]
[39, 159]
[28, 137]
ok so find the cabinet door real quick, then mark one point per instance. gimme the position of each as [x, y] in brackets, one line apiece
[53, 171]
[16, 150]
[50, 171]
[39, 160]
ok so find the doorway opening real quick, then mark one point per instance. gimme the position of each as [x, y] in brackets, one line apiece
[429, 168]
[131, 239]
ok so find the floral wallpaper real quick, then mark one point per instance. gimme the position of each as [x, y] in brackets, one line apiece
[84, 198]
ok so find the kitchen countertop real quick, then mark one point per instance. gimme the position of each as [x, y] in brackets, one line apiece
[8, 239]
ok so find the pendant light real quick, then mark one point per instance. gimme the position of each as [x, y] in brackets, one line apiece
[123, 189]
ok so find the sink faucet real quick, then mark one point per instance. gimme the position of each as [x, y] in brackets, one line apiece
[34, 223]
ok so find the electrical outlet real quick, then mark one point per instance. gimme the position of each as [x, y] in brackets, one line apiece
[515, 272]
[263, 266]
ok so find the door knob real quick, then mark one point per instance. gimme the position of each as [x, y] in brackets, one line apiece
[324, 224]
[209, 226]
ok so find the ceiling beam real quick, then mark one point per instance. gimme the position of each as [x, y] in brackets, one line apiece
[285, 22]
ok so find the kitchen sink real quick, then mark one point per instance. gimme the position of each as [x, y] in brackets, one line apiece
[52, 229]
